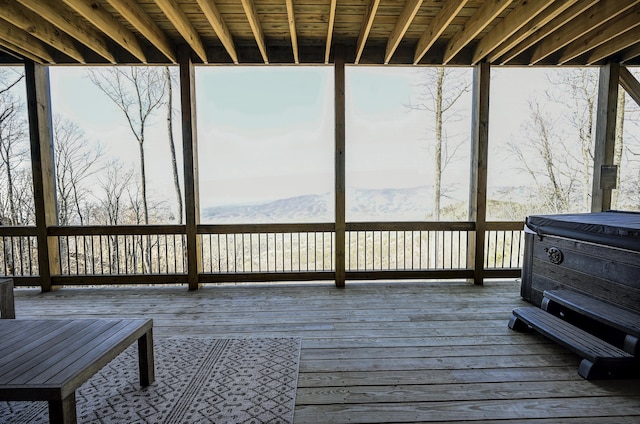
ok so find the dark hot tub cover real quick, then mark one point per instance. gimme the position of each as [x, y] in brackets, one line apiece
[613, 228]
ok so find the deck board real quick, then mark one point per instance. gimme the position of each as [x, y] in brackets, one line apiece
[379, 352]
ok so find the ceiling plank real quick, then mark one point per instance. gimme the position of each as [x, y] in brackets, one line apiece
[252, 15]
[181, 23]
[105, 22]
[218, 24]
[601, 35]
[483, 17]
[60, 16]
[538, 22]
[332, 20]
[614, 46]
[521, 15]
[35, 25]
[409, 12]
[630, 84]
[291, 17]
[137, 17]
[442, 20]
[366, 28]
[24, 41]
[597, 15]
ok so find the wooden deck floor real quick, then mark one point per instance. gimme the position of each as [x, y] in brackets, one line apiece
[380, 352]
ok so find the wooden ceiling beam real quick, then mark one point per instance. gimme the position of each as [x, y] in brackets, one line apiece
[630, 53]
[18, 51]
[630, 84]
[218, 24]
[332, 20]
[597, 15]
[60, 16]
[181, 23]
[367, 22]
[442, 20]
[291, 17]
[25, 41]
[514, 21]
[252, 15]
[407, 15]
[538, 22]
[614, 46]
[105, 22]
[137, 17]
[489, 10]
[35, 25]
[601, 35]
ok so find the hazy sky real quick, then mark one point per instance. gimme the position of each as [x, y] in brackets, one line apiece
[267, 132]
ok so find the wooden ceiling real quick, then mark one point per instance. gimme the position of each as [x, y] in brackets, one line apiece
[374, 32]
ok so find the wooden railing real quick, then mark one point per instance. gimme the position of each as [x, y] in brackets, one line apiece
[156, 254]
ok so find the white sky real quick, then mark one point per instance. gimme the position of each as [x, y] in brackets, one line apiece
[267, 132]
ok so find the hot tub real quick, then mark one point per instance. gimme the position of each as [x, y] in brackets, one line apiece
[597, 254]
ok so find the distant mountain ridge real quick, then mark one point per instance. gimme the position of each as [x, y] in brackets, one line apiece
[412, 203]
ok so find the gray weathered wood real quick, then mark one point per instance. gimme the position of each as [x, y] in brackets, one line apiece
[7, 303]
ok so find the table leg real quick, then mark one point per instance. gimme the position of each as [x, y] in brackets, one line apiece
[145, 358]
[63, 411]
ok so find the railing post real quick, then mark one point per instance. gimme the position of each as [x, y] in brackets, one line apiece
[605, 138]
[190, 152]
[43, 169]
[479, 157]
[340, 219]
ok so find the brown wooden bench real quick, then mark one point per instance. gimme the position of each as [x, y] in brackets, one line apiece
[47, 360]
[7, 305]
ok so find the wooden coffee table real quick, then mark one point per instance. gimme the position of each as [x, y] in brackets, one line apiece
[47, 360]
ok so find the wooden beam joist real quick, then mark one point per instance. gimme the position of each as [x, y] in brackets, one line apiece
[630, 53]
[543, 18]
[252, 16]
[138, 18]
[601, 35]
[35, 25]
[409, 12]
[18, 52]
[182, 24]
[218, 24]
[372, 9]
[60, 16]
[557, 22]
[332, 20]
[630, 84]
[597, 15]
[483, 17]
[291, 17]
[442, 20]
[614, 46]
[520, 16]
[14, 36]
[105, 22]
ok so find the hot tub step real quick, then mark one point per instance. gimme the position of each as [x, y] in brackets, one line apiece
[601, 359]
[622, 320]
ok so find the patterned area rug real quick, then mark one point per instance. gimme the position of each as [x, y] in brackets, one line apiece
[198, 380]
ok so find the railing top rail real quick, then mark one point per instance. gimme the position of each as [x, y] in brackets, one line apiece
[411, 226]
[115, 230]
[14, 230]
[266, 228]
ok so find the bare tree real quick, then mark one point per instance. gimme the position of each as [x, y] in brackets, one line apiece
[75, 162]
[14, 147]
[137, 91]
[441, 88]
[172, 147]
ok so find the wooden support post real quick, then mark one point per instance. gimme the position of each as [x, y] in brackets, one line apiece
[479, 157]
[605, 135]
[190, 152]
[630, 84]
[43, 169]
[340, 222]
